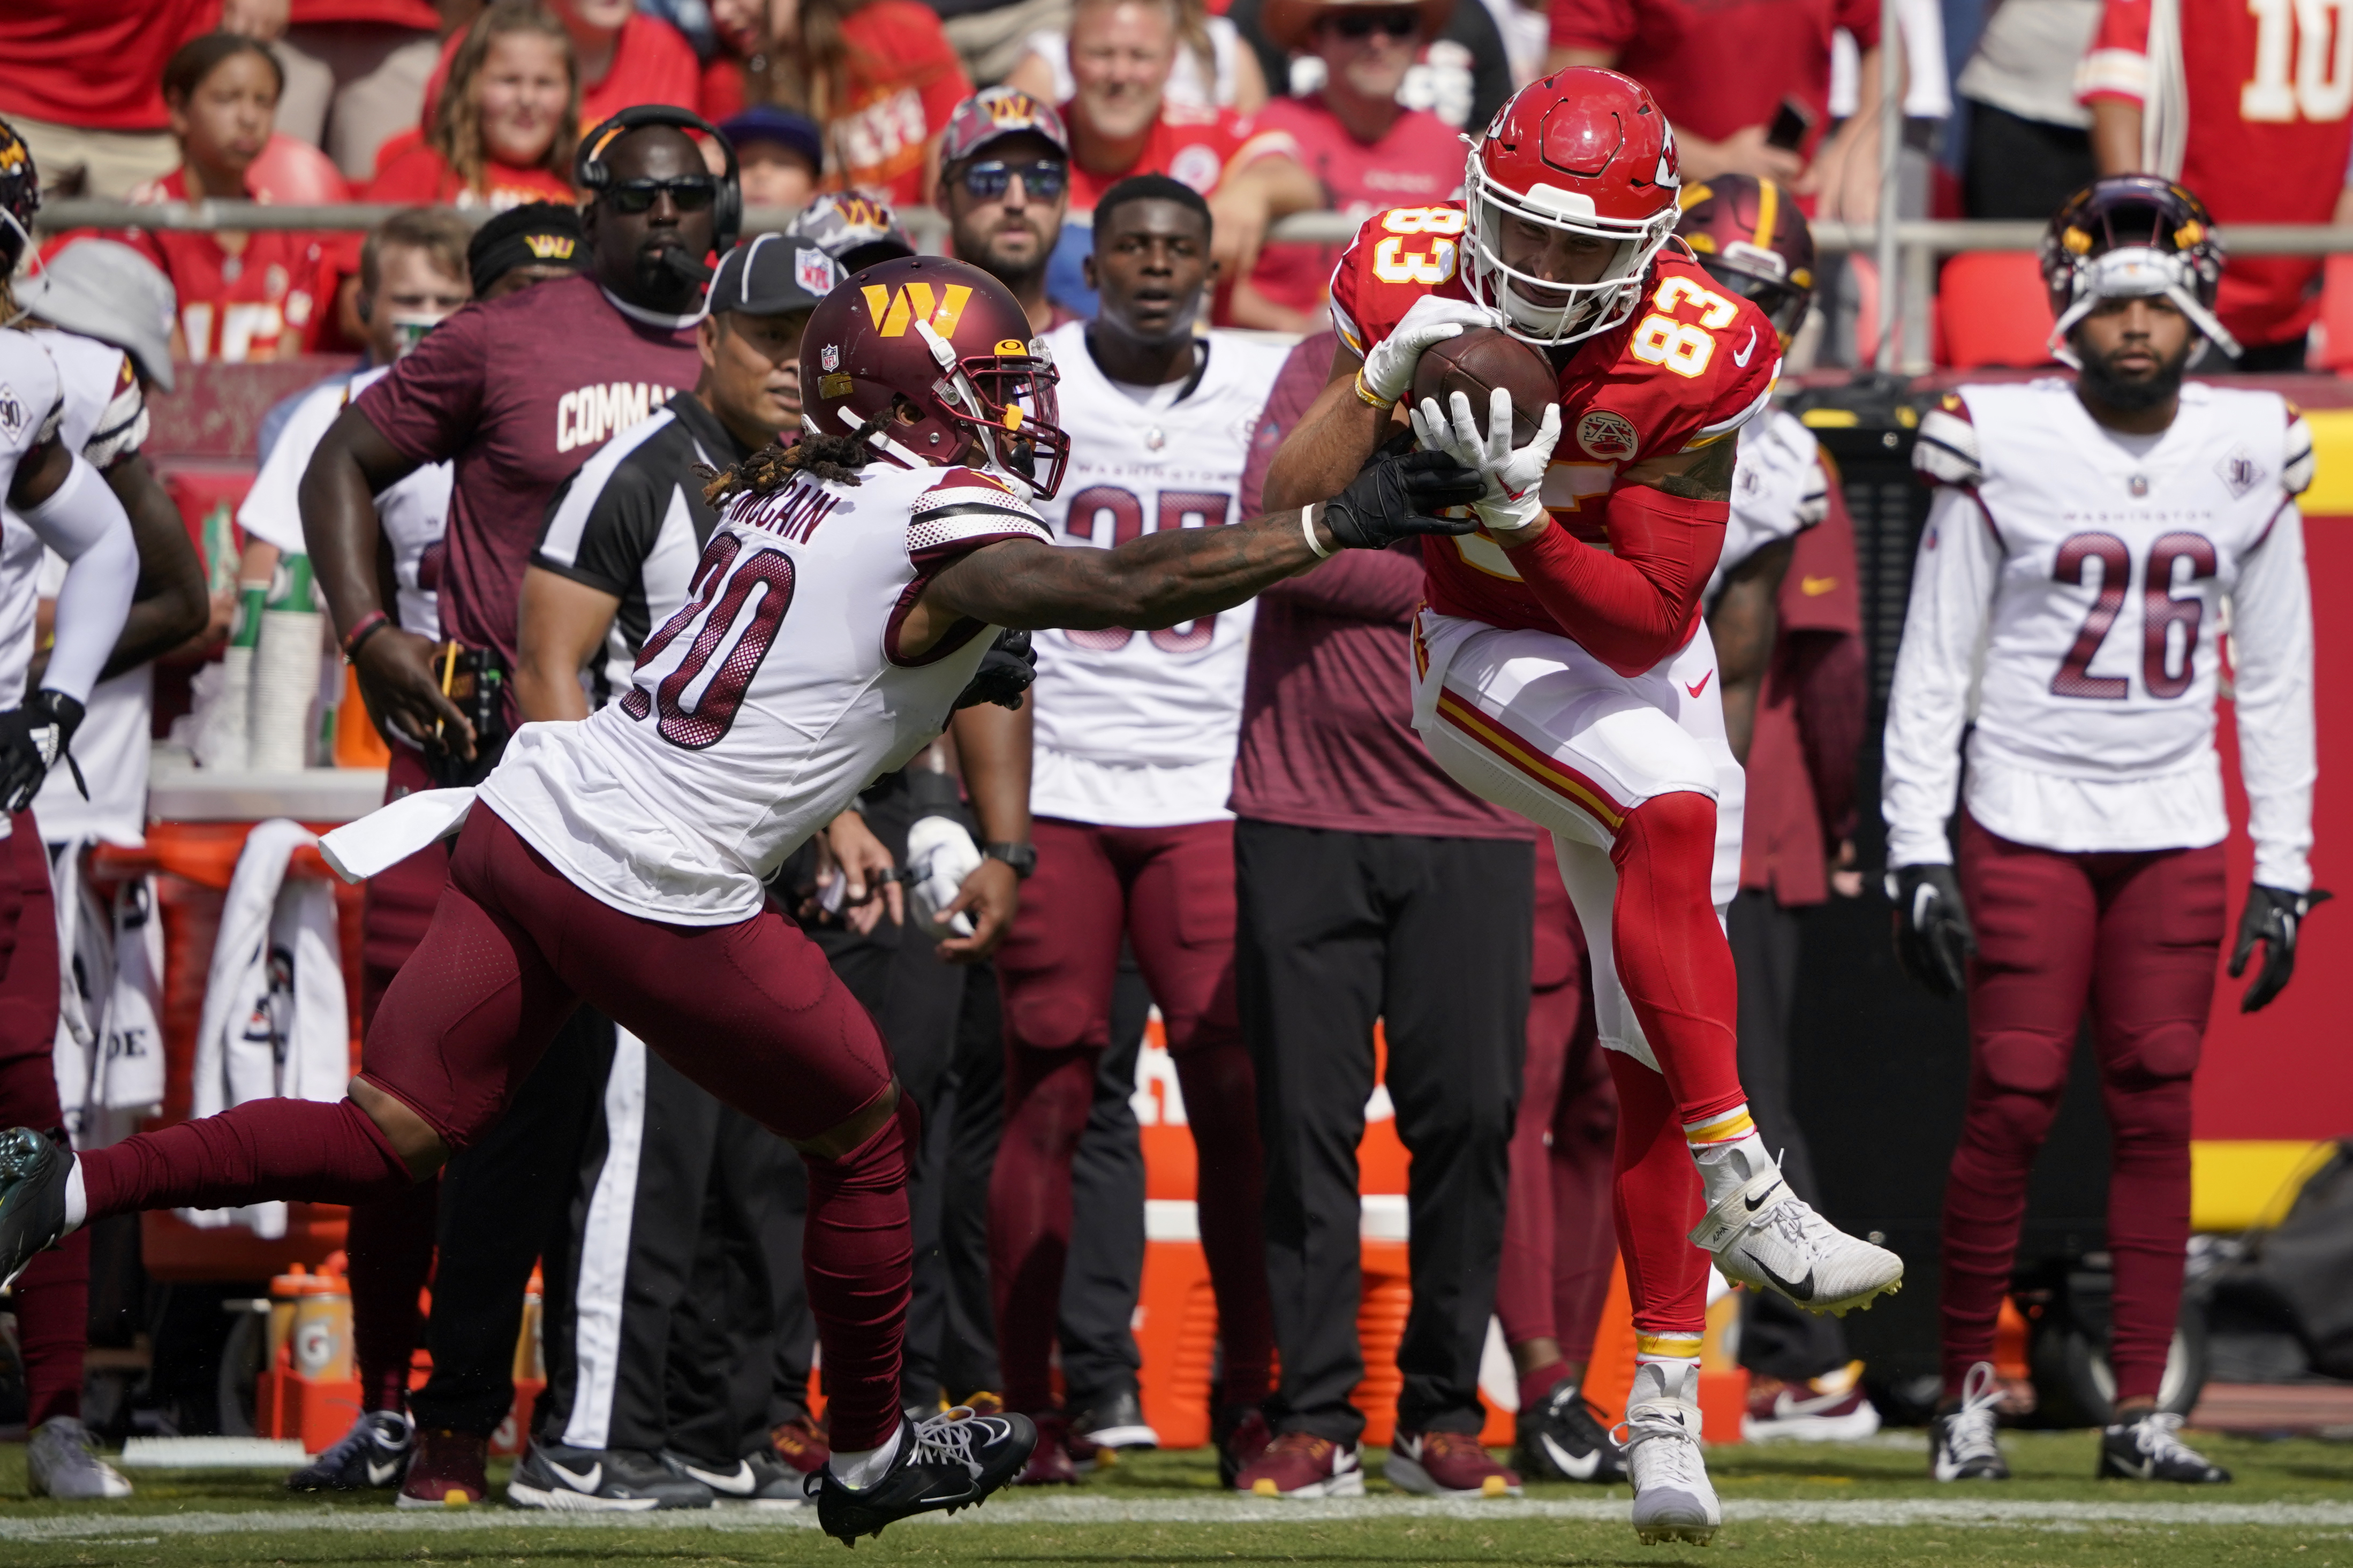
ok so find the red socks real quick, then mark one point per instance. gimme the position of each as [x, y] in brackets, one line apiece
[1658, 1203]
[256, 1152]
[390, 1247]
[52, 1304]
[859, 1257]
[1672, 958]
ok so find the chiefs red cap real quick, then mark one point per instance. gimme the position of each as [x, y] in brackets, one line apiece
[997, 112]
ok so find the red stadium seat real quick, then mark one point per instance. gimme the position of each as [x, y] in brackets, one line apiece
[1994, 311]
[2336, 336]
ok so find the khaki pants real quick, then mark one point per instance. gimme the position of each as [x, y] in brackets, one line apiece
[993, 42]
[350, 85]
[113, 162]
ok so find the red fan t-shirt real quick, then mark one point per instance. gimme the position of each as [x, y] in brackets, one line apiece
[518, 393]
[1194, 146]
[2268, 138]
[1719, 66]
[414, 174]
[905, 80]
[416, 14]
[1417, 162]
[241, 305]
[652, 63]
[97, 64]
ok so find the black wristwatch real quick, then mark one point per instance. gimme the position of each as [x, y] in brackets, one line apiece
[1022, 858]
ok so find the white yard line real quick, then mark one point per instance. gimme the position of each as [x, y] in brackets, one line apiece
[1068, 1510]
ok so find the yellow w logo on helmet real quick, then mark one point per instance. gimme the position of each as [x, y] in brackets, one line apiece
[916, 301]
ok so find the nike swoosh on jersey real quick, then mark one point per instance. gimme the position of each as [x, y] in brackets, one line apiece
[1815, 587]
[738, 1483]
[596, 1477]
[1748, 349]
[1695, 690]
[379, 1473]
[1581, 1468]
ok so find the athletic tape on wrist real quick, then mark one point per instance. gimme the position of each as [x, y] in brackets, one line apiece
[1307, 527]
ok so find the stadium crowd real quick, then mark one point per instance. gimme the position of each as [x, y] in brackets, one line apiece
[1240, 824]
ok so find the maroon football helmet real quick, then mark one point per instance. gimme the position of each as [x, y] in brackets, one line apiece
[1752, 238]
[948, 347]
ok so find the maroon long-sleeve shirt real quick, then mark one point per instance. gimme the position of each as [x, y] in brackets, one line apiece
[1328, 737]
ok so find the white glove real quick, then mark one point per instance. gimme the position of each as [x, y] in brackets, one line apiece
[940, 856]
[1515, 476]
[1388, 373]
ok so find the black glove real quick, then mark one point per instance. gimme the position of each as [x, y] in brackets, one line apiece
[2273, 916]
[1005, 673]
[32, 738]
[1393, 498]
[1933, 939]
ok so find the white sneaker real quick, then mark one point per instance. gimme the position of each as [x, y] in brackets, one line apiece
[62, 1461]
[1673, 1497]
[1765, 1235]
[1961, 1446]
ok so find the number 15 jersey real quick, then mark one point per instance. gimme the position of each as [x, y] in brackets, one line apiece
[1138, 729]
[773, 696]
[2081, 575]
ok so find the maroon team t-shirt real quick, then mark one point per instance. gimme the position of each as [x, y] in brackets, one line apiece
[518, 394]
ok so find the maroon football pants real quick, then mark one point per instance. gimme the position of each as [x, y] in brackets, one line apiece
[2134, 938]
[52, 1296]
[1169, 891]
[1559, 1241]
[751, 1011]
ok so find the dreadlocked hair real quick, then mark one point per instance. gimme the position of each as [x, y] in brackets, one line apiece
[772, 468]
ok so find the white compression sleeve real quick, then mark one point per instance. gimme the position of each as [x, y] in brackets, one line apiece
[2271, 666]
[83, 522]
[1953, 583]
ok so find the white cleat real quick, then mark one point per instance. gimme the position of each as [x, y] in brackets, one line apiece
[1765, 1237]
[1673, 1497]
[62, 1461]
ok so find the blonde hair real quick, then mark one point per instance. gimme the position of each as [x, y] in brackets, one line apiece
[457, 130]
[811, 74]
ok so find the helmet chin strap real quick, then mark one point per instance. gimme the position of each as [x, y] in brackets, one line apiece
[2138, 273]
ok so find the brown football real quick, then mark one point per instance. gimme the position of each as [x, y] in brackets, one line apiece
[1475, 361]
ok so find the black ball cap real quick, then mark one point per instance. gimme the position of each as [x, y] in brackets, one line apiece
[772, 275]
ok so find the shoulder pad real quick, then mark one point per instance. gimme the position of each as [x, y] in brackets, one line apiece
[1947, 451]
[2296, 459]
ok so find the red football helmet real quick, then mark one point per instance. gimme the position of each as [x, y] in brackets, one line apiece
[1583, 151]
[948, 348]
[1752, 238]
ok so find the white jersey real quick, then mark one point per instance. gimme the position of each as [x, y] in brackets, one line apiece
[1138, 729]
[414, 514]
[1779, 489]
[677, 801]
[2081, 577]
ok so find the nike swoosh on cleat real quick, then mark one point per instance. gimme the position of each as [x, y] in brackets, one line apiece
[1796, 1290]
[596, 1477]
[1695, 690]
[1577, 1469]
[1759, 1202]
[1748, 349]
[740, 1483]
[379, 1474]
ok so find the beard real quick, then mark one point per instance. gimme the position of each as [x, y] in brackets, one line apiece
[2103, 383]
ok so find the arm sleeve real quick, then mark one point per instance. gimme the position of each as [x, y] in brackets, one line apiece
[1953, 581]
[1635, 604]
[2271, 665]
[430, 404]
[2116, 65]
[83, 522]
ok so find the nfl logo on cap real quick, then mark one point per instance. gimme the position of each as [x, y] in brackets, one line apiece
[813, 270]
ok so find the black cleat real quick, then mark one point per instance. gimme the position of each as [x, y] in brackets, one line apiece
[1559, 1440]
[952, 1461]
[33, 1173]
[2151, 1449]
[374, 1453]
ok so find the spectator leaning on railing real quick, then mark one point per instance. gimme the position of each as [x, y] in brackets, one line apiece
[81, 84]
[878, 76]
[502, 132]
[1366, 150]
[1722, 73]
[243, 296]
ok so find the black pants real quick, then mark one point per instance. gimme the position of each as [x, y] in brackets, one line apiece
[503, 1203]
[2021, 168]
[1777, 1338]
[1431, 935]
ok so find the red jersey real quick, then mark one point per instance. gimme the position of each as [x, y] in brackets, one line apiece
[1418, 161]
[1198, 147]
[414, 174]
[518, 393]
[416, 15]
[1716, 66]
[905, 80]
[1688, 367]
[96, 64]
[2269, 133]
[237, 307]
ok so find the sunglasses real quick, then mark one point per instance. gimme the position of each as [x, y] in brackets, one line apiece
[1043, 179]
[1361, 24]
[690, 193]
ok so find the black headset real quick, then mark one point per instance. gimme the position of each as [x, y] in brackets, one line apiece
[589, 172]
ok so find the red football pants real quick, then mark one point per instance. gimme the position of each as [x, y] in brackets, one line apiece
[1558, 1241]
[52, 1296]
[1170, 892]
[2135, 938]
[752, 1012]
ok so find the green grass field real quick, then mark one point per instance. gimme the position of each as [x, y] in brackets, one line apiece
[2291, 1504]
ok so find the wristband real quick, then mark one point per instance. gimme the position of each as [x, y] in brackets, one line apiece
[370, 624]
[1021, 857]
[1364, 394]
[1307, 527]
